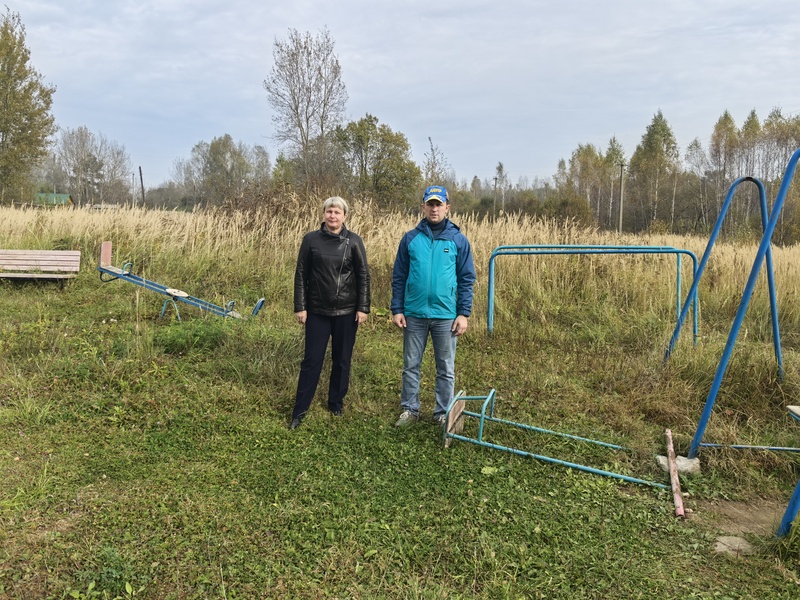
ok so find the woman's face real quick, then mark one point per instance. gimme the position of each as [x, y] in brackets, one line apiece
[334, 219]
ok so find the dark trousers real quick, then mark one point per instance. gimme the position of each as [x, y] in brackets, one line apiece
[342, 333]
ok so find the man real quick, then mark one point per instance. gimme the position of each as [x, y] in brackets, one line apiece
[431, 294]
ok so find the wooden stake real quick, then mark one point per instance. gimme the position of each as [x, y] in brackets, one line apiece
[673, 475]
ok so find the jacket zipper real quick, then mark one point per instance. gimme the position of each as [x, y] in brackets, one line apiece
[341, 268]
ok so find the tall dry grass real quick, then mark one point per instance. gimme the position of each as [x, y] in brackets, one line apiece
[258, 249]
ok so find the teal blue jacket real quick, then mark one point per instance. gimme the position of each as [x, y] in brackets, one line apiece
[433, 278]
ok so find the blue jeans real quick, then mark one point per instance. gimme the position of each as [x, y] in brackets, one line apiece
[415, 338]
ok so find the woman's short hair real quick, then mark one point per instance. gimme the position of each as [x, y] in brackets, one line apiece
[336, 201]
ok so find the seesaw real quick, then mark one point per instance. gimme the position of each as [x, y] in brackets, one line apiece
[125, 274]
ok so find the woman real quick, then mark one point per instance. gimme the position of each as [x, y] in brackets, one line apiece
[331, 298]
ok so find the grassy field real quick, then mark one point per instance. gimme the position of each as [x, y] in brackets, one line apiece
[150, 458]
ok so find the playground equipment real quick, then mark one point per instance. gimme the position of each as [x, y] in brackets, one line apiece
[763, 254]
[456, 413]
[704, 260]
[547, 249]
[125, 274]
[794, 502]
[454, 427]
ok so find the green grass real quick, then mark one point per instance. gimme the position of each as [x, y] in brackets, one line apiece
[150, 458]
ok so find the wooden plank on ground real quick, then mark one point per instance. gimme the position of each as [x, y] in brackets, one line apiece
[455, 420]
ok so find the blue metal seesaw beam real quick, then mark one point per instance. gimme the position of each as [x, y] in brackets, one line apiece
[125, 274]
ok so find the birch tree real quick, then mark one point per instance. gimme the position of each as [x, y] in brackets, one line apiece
[97, 169]
[654, 161]
[306, 91]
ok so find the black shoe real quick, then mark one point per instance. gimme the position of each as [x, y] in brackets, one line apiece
[295, 423]
[337, 412]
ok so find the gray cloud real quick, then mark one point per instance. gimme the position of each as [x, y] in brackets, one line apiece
[513, 81]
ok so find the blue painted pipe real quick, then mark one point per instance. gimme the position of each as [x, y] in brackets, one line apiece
[791, 512]
[776, 337]
[548, 249]
[746, 447]
[560, 462]
[763, 248]
[547, 431]
[488, 404]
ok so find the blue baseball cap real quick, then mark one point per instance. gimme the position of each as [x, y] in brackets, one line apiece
[435, 192]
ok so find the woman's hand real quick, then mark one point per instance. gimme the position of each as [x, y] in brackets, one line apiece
[301, 317]
[361, 317]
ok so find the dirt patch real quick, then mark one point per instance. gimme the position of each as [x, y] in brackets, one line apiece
[759, 517]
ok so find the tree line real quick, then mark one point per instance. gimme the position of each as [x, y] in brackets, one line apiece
[657, 188]
[665, 191]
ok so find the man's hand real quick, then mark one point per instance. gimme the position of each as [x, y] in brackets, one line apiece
[360, 317]
[460, 325]
[400, 320]
[301, 317]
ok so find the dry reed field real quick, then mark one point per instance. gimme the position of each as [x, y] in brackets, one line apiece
[240, 248]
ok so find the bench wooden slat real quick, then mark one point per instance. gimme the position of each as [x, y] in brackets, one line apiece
[35, 253]
[20, 275]
[39, 264]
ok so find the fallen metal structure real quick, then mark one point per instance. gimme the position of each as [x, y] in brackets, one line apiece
[454, 428]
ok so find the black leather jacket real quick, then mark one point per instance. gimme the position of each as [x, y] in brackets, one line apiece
[332, 276]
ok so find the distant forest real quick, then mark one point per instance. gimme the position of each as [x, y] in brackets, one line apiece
[663, 189]
[659, 187]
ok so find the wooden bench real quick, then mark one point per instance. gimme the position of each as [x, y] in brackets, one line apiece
[40, 264]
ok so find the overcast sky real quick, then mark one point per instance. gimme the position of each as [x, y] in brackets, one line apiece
[522, 82]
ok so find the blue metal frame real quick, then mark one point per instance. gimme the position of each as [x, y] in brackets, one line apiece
[763, 252]
[125, 274]
[791, 512]
[794, 502]
[548, 249]
[487, 416]
[776, 336]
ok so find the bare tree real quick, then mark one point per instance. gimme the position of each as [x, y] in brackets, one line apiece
[436, 169]
[306, 91]
[699, 165]
[222, 171]
[96, 168]
[500, 181]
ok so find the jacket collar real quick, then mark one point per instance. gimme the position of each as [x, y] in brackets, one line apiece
[425, 227]
[342, 234]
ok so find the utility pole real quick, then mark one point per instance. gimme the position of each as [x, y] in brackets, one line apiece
[621, 189]
[141, 180]
[494, 200]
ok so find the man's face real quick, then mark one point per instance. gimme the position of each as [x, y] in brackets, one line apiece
[435, 211]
